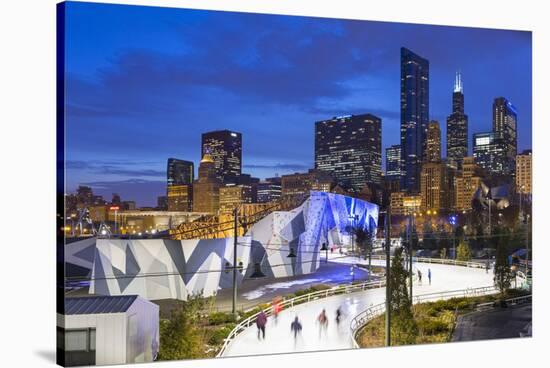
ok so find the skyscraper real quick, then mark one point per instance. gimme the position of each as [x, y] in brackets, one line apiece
[490, 152]
[435, 186]
[393, 162]
[433, 142]
[206, 189]
[225, 148]
[179, 190]
[415, 107]
[524, 172]
[349, 148]
[467, 181]
[505, 122]
[179, 172]
[457, 126]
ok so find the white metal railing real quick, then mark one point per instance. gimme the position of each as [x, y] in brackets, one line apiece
[335, 291]
[306, 298]
[360, 320]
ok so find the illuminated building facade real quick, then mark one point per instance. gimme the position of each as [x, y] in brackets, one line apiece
[206, 189]
[295, 187]
[393, 162]
[225, 148]
[467, 182]
[179, 172]
[232, 196]
[268, 190]
[524, 172]
[505, 122]
[433, 142]
[403, 204]
[434, 187]
[415, 108]
[457, 126]
[179, 198]
[349, 148]
[490, 152]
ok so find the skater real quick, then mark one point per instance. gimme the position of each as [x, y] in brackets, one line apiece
[419, 277]
[430, 276]
[487, 266]
[338, 316]
[323, 322]
[296, 328]
[277, 307]
[261, 320]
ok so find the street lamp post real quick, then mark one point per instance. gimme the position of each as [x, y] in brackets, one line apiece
[388, 291]
[325, 248]
[235, 268]
[453, 223]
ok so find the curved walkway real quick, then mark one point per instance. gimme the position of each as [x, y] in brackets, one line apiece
[279, 339]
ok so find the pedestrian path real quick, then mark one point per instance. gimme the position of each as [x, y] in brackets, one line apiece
[279, 338]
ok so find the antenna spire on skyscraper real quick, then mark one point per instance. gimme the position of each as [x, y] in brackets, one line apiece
[458, 82]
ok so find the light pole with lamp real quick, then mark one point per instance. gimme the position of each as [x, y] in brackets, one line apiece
[388, 266]
[325, 248]
[452, 221]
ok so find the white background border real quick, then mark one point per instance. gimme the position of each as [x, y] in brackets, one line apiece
[27, 143]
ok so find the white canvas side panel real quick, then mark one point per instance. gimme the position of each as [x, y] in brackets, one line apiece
[110, 335]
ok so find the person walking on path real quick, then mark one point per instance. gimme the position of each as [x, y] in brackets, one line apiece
[430, 276]
[323, 322]
[261, 321]
[277, 307]
[419, 277]
[296, 328]
[338, 316]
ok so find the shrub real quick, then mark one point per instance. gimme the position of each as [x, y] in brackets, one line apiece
[219, 318]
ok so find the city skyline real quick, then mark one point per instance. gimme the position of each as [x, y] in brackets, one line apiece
[121, 144]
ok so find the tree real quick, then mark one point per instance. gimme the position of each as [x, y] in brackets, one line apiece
[403, 325]
[463, 252]
[503, 274]
[181, 336]
[365, 239]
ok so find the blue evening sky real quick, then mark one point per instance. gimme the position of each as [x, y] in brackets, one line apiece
[143, 83]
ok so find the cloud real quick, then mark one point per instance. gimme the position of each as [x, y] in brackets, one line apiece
[114, 168]
[296, 167]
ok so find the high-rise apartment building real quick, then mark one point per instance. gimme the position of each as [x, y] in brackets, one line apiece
[349, 148]
[415, 107]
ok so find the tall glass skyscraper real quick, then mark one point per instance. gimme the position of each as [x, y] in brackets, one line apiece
[225, 148]
[457, 126]
[505, 122]
[393, 162]
[350, 149]
[490, 152]
[415, 107]
[179, 172]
